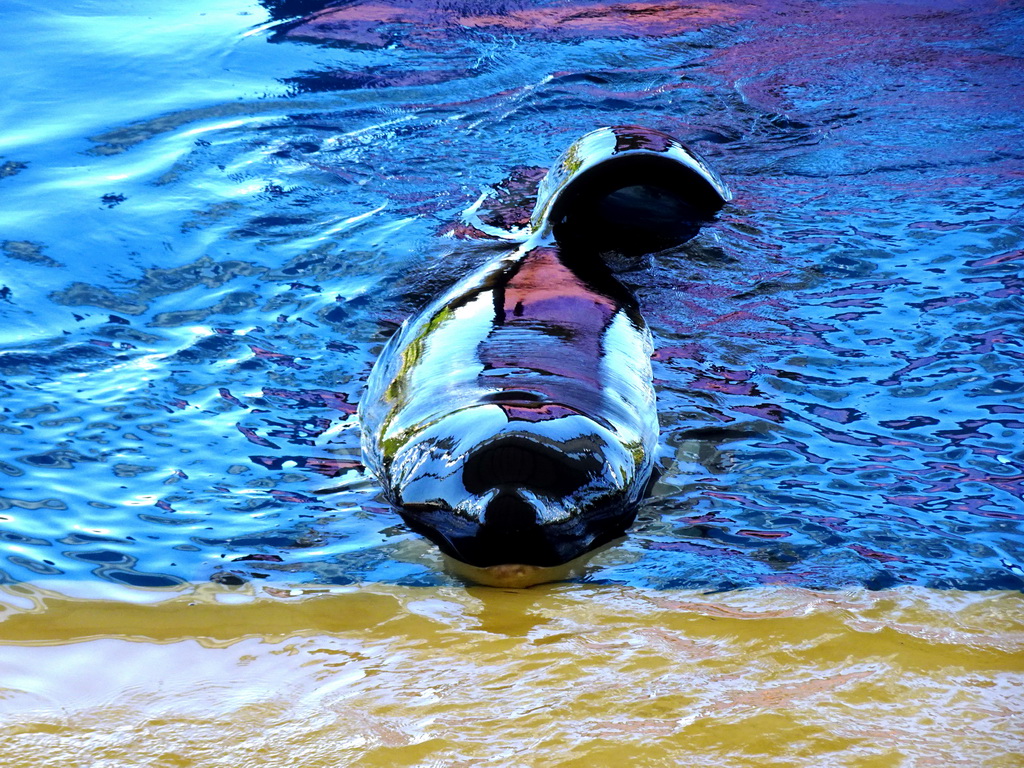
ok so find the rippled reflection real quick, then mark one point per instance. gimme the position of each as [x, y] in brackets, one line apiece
[215, 215]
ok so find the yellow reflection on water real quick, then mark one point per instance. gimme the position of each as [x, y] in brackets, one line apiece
[556, 675]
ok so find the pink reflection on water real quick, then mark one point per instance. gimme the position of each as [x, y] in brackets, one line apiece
[311, 398]
[874, 554]
[276, 358]
[428, 24]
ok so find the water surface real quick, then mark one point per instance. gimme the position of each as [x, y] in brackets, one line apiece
[567, 675]
[213, 214]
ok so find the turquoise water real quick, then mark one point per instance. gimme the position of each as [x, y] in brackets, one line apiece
[214, 214]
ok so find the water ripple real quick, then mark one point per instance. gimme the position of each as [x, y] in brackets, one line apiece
[212, 227]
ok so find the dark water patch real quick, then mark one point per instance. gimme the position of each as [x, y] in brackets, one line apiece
[24, 250]
[121, 139]
[377, 77]
[233, 303]
[74, 358]
[11, 167]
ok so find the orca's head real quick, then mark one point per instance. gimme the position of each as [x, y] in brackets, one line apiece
[540, 493]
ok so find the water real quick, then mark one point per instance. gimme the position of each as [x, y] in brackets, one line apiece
[213, 214]
[568, 675]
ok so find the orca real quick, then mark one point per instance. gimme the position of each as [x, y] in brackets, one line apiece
[513, 421]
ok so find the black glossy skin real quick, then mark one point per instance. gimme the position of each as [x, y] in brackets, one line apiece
[513, 421]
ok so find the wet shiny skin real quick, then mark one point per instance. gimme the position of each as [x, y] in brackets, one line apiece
[575, 452]
[513, 420]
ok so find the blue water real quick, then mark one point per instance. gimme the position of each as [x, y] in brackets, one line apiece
[213, 214]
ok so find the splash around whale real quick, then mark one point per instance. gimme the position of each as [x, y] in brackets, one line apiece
[513, 421]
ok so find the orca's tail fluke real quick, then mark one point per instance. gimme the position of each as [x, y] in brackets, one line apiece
[627, 189]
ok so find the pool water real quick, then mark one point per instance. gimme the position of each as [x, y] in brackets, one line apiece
[214, 214]
[556, 675]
